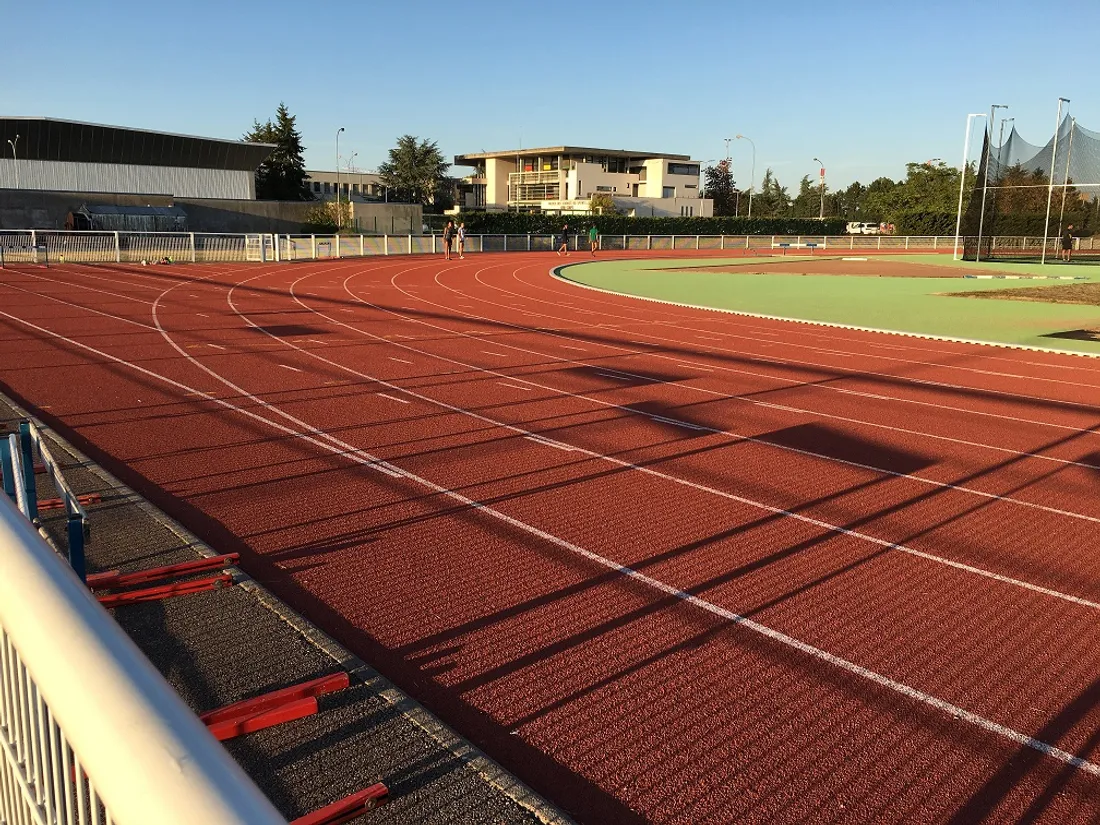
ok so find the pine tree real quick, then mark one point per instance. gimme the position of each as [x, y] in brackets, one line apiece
[282, 177]
[414, 170]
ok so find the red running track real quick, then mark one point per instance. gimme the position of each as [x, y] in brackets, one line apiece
[666, 565]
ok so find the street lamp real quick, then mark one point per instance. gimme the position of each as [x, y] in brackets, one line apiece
[350, 169]
[962, 183]
[338, 131]
[15, 159]
[752, 181]
[985, 180]
[821, 210]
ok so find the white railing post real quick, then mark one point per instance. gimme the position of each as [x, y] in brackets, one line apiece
[362, 247]
[506, 241]
[648, 242]
[386, 243]
[723, 241]
[410, 243]
[313, 247]
[336, 242]
[118, 249]
[191, 242]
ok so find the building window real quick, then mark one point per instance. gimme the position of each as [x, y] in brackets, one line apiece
[668, 192]
[326, 187]
[690, 186]
[683, 169]
[317, 186]
[355, 188]
[605, 189]
[687, 211]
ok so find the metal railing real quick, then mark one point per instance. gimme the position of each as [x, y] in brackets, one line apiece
[36, 246]
[90, 732]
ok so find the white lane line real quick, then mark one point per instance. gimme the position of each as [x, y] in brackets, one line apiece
[613, 375]
[288, 367]
[549, 442]
[202, 314]
[338, 446]
[399, 360]
[315, 341]
[497, 354]
[707, 338]
[579, 349]
[515, 386]
[394, 398]
[678, 423]
[216, 346]
[695, 367]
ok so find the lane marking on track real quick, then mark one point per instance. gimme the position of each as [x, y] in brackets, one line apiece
[695, 367]
[497, 354]
[394, 398]
[579, 349]
[515, 386]
[399, 360]
[613, 375]
[202, 315]
[549, 442]
[678, 423]
[288, 367]
[315, 341]
[216, 346]
[708, 338]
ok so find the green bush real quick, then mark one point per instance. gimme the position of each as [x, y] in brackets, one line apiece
[523, 223]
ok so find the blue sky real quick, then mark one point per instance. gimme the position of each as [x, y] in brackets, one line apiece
[865, 86]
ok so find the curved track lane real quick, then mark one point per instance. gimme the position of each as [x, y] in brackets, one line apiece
[667, 565]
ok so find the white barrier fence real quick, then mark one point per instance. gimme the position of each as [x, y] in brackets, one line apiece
[38, 246]
[89, 730]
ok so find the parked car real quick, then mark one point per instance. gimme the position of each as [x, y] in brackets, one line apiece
[862, 228]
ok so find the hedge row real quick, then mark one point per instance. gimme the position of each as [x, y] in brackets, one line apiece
[522, 223]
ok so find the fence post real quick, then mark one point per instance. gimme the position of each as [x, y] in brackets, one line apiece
[313, 247]
[191, 241]
[362, 248]
[26, 447]
[906, 241]
[852, 242]
[506, 241]
[34, 246]
[880, 241]
[648, 243]
[410, 243]
[386, 243]
[118, 249]
[723, 241]
[336, 241]
[696, 243]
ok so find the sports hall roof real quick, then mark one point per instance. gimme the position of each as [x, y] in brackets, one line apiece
[43, 138]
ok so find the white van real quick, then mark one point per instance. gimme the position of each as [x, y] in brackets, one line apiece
[862, 228]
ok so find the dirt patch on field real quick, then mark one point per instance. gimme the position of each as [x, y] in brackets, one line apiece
[1087, 294]
[875, 267]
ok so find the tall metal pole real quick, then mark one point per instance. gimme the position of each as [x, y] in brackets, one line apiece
[752, 180]
[338, 214]
[987, 145]
[1065, 181]
[15, 159]
[962, 184]
[821, 211]
[1050, 189]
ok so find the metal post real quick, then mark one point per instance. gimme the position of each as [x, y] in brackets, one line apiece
[752, 177]
[191, 241]
[313, 247]
[26, 446]
[7, 473]
[1065, 181]
[962, 184]
[339, 214]
[118, 249]
[362, 247]
[821, 209]
[1050, 188]
[985, 182]
[15, 159]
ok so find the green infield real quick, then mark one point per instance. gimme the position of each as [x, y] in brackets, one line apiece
[870, 296]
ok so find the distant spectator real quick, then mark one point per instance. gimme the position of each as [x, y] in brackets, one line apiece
[594, 239]
[563, 245]
[1067, 243]
[461, 240]
[448, 239]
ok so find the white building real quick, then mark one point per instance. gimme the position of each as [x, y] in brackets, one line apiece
[354, 185]
[563, 179]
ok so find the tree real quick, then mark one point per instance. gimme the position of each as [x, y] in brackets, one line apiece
[808, 202]
[602, 204]
[414, 171]
[282, 177]
[719, 187]
[772, 201]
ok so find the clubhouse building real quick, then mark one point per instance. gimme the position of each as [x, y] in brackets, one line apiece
[563, 180]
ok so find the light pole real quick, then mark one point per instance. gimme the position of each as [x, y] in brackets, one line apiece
[1050, 190]
[338, 216]
[821, 210]
[15, 159]
[350, 169]
[962, 183]
[985, 182]
[752, 181]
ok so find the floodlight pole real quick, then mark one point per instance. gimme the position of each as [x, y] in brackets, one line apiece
[1065, 181]
[985, 183]
[15, 159]
[821, 209]
[752, 178]
[962, 184]
[1050, 188]
[338, 215]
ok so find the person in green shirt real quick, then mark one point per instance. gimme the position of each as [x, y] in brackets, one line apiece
[594, 239]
